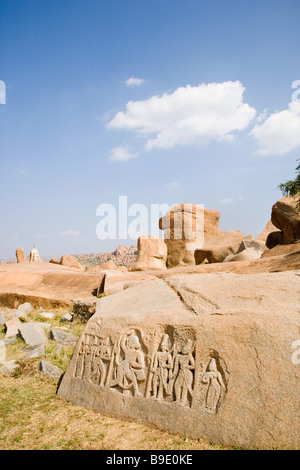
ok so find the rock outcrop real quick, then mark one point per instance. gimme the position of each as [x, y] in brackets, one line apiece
[184, 228]
[71, 262]
[216, 249]
[152, 253]
[209, 356]
[286, 217]
[21, 258]
[270, 228]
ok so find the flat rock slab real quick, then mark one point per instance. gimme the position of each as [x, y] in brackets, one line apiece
[12, 327]
[209, 356]
[3, 318]
[33, 352]
[63, 337]
[50, 370]
[49, 315]
[9, 367]
[32, 334]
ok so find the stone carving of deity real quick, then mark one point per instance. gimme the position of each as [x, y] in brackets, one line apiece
[130, 363]
[184, 374]
[100, 356]
[161, 369]
[214, 379]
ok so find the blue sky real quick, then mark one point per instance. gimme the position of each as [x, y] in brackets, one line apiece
[206, 118]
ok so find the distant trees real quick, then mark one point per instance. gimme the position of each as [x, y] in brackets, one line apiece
[292, 187]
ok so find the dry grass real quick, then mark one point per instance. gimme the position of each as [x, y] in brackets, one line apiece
[32, 417]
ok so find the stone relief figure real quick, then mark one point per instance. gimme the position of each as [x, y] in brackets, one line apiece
[214, 379]
[99, 359]
[161, 367]
[130, 363]
[184, 367]
[83, 358]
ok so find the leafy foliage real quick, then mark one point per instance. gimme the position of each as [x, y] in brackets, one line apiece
[292, 187]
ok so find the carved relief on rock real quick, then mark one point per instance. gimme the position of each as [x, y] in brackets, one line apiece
[183, 374]
[212, 377]
[129, 363]
[159, 380]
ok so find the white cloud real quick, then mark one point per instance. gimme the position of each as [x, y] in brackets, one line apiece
[121, 154]
[189, 115]
[280, 132]
[227, 200]
[172, 185]
[134, 81]
[2, 92]
[70, 233]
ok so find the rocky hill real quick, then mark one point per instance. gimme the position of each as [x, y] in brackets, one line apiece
[122, 256]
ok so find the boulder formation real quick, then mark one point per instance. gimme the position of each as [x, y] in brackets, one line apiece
[68, 261]
[286, 217]
[152, 253]
[192, 236]
[270, 228]
[207, 355]
[21, 258]
[184, 228]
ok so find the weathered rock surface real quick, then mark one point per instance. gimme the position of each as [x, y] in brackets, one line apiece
[45, 284]
[12, 327]
[71, 262]
[248, 250]
[9, 367]
[206, 355]
[216, 250]
[3, 318]
[50, 370]
[63, 337]
[33, 352]
[84, 309]
[32, 334]
[152, 253]
[20, 255]
[274, 239]
[269, 229]
[286, 217]
[183, 231]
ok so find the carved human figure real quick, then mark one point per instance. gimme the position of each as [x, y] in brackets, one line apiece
[83, 356]
[184, 367]
[99, 359]
[131, 368]
[161, 367]
[214, 379]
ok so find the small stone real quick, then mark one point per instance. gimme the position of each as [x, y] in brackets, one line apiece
[50, 370]
[25, 308]
[3, 318]
[49, 315]
[12, 327]
[32, 334]
[62, 337]
[20, 314]
[9, 367]
[34, 351]
[68, 317]
[43, 325]
[10, 340]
